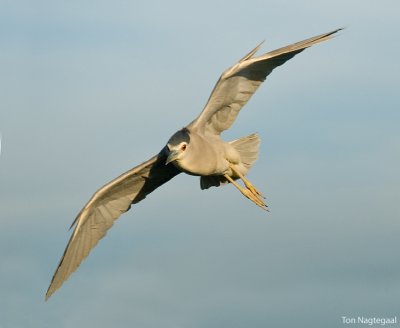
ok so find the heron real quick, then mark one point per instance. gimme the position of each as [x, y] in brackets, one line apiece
[197, 149]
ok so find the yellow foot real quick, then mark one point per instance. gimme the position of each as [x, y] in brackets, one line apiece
[255, 198]
[249, 192]
[251, 187]
[247, 183]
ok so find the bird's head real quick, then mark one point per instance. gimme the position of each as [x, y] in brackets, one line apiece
[178, 145]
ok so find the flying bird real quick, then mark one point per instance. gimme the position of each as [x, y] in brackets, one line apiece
[197, 149]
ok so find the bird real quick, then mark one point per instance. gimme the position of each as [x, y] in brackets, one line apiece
[197, 149]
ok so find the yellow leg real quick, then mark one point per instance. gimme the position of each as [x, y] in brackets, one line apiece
[255, 198]
[247, 183]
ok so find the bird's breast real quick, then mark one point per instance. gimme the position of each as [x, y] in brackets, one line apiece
[203, 158]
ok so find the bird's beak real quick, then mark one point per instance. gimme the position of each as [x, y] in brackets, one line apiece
[173, 155]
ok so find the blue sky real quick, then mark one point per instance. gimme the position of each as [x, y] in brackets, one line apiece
[89, 89]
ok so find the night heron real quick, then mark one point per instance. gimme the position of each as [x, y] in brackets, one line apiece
[196, 149]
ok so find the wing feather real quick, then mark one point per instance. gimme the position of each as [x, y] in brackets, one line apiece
[238, 83]
[105, 207]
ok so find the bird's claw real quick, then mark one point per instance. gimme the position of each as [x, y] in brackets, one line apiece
[255, 198]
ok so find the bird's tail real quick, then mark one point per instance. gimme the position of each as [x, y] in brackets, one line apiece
[248, 150]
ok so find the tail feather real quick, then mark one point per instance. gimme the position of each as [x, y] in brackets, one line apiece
[247, 148]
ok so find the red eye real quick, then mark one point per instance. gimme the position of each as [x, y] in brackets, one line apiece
[183, 147]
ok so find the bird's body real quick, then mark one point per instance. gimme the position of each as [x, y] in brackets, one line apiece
[210, 163]
[196, 149]
[217, 155]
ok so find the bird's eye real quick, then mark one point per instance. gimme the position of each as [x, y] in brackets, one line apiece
[183, 147]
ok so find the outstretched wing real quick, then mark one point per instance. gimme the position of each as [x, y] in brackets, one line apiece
[105, 206]
[238, 83]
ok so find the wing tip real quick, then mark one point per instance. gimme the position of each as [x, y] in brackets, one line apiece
[252, 52]
[50, 291]
[47, 296]
[331, 34]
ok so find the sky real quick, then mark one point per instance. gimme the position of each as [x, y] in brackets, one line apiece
[89, 89]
